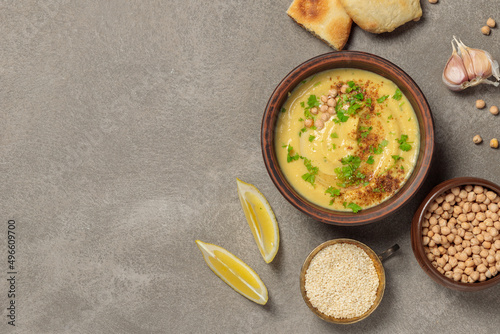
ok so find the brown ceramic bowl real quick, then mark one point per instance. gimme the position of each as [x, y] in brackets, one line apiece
[416, 235]
[364, 61]
[377, 262]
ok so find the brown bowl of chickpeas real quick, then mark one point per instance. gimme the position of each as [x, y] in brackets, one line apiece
[455, 234]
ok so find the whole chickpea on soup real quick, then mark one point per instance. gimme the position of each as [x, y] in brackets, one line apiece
[347, 139]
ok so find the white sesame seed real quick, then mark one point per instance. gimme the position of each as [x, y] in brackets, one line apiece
[341, 281]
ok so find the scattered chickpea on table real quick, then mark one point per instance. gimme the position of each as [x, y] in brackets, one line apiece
[485, 30]
[480, 104]
[494, 110]
[477, 139]
[491, 23]
[494, 143]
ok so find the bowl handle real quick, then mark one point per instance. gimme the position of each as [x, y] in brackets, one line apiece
[387, 253]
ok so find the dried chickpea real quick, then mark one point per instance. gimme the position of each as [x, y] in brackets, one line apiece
[494, 143]
[494, 110]
[485, 30]
[474, 276]
[425, 240]
[477, 139]
[452, 251]
[491, 195]
[484, 253]
[493, 270]
[482, 277]
[445, 230]
[468, 252]
[480, 104]
[481, 268]
[491, 23]
[457, 277]
[462, 256]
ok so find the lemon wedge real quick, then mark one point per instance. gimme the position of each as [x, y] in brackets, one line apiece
[236, 273]
[261, 219]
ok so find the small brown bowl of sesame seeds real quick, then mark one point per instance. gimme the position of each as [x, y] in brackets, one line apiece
[341, 152]
[343, 281]
[455, 234]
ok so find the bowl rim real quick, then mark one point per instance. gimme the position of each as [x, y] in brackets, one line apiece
[379, 267]
[418, 248]
[349, 59]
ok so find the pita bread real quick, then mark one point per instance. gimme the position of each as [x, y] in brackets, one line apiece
[378, 16]
[326, 19]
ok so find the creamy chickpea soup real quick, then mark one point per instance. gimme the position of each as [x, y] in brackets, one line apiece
[347, 139]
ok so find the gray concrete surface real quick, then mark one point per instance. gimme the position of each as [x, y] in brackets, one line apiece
[124, 127]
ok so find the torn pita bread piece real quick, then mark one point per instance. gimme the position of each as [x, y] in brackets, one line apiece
[378, 16]
[326, 19]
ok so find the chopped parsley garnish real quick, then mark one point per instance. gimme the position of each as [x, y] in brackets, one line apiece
[317, 84]
[311, 176]
[283, 109]
[365, 134]
[348, 173]
[380, 148]
[403, 144]
[397, 95]
[353, 108]
[311, 138]
[334, 135]
[368, 102]
[334, 146]
[290, 157]
[312, 101]
[301, 119]
[397, 157]
[341, 116]
[358, 96]
[382, 99]
[370, 160]
[390, 117]
[353, 206]
[334, 192]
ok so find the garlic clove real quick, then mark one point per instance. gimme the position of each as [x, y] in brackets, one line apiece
[455, 74]
[469, 67]
[466, 58]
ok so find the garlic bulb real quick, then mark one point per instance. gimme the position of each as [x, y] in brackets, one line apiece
[469, 67]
